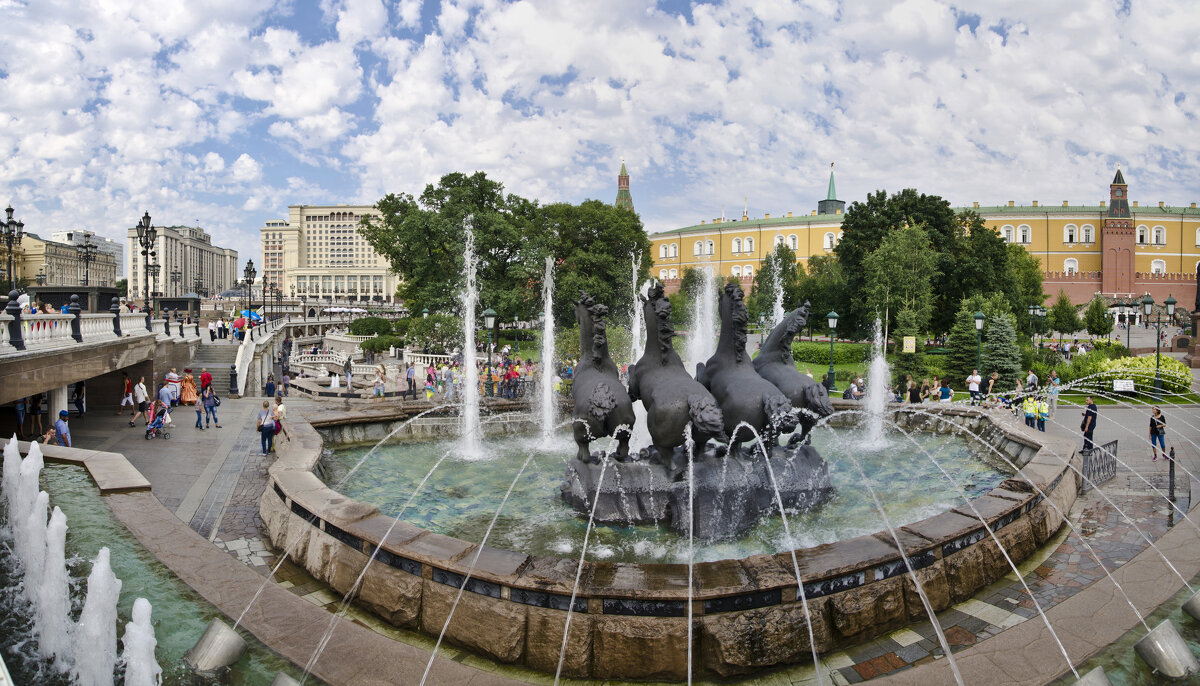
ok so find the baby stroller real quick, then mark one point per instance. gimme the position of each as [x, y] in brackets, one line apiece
[159, 425]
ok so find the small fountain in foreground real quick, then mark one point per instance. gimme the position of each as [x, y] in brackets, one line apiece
[471, 441]
[877, 393]
[547, 380]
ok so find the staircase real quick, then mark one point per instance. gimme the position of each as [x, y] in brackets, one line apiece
[216, 357]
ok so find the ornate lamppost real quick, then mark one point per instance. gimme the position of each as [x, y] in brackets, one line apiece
[154, 270]
[87, 254]
[1036, 314]
[833, 317]
[11, 230]
[176, 278]
[146, 235]
[979, 317]
[249, 273]
[1158, 322]
[516, 339]
[489, 321]
[41, 276]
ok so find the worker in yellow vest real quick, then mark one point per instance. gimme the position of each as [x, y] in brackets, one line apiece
[1029, 406]
[1043, 413]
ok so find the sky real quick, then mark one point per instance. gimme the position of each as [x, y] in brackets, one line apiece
[224, 112]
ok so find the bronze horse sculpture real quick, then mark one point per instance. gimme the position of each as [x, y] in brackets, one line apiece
[746, 399]
[672, 398]
[774, 363]
[602, 405]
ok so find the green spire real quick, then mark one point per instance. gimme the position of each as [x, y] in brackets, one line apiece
[623, 172]
[832, 194]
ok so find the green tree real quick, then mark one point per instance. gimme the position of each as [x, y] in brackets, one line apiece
[899, 273]
[439, 333]
[423, 238]
[962, 342]
[825, 290]
[864, 228]
[781, 260]
[592, 243]
[122, 287]
[691, 283]
[1096, 319]
[1063, 317]
[979, 262]
[1026, 284]
[1002, 353]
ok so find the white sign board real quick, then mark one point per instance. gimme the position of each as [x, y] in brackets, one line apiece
[1125, 385]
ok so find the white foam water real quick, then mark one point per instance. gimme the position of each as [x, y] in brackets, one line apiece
[96, 631]
[702, 342]
[52, 619]
[472, 445]
[548, 367]
[141, 669]
[879, 377]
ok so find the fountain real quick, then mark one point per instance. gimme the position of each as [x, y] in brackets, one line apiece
[548, 371]
[877, 393]
[471, 440]
[654, 485]
[700, 345]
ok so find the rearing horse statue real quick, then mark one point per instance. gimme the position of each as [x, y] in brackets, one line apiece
[774, 363]
[602, 405]
[671, 396]
[744, 396]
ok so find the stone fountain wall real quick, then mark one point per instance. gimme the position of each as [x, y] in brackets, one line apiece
[629, 620]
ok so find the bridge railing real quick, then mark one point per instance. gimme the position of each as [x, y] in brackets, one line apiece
[424, 360]
[46, 329]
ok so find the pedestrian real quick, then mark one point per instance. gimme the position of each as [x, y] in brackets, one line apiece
[346, 368]
[35, 413]
[20, 408]
[209, 400]
[269, 389]
[1088, 425]
[172, 379]
[992, 382]
[450, 384]
[140, 396]
[205, 378]
[287, 382]
[79, 398]
[378, 386]
[278, 414]
[1158, 433]
[1043, 413]
[199, 414]
[126, 394]
[266, 428]
[914, 393]
[188, 388]
[973, 381]
[212, 331]
[1029, 409]
[429, 382]
[1052, 388]
[61, 432]
[926, 392]
[410, 376]
[945, 394]
[1031, 382]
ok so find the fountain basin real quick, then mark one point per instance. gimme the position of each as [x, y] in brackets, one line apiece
[630, 619]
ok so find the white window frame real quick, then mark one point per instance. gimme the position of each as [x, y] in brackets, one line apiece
[1008, 233]
[1143, 235]
[749, 244]
[1025, 234]
[698, 248]
[662, 251]
[736, 270]
[793, 241]
[1158, 267]
[1160, 235]
[737, 246]
[828, 241]
[674, 252]
[1087, 234]
[662, 274]
[748, 271]
[1070, 266]
[1070, 233]
[709, 246]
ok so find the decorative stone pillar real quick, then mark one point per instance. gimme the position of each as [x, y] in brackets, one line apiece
[76, 324]
[115, 309]
[57, 401]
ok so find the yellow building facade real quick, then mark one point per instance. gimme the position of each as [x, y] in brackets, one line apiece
[1068, 240]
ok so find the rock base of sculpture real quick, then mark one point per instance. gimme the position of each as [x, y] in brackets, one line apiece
[732, 492]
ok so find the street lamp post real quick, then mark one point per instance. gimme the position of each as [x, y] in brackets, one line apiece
[1158, 322]
[833, 317]
[489, 321]
[425, 315]
[1127, 310]
[146, 235]
[979, 317]
[516, 340]
[154, 270]
[12, 231]
[249, 273]
[762, 327]
[176, 278]
[87, 253]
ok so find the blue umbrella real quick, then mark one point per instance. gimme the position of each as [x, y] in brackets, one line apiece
[251, 314]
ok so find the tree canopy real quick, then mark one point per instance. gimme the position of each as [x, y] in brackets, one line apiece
[1096, 319]
[593, 244]
[898, 277]
[1063, 317]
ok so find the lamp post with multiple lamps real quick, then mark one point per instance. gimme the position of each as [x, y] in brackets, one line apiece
[1128, 309]
[12, 230]
[146, 235]
[41, 277]
[833, 317]
[762, 328]
[489, 321]
[1158, 322]
[154, 270]
[87, 254]
[979, 317]
[1037, 314]
[249, 273]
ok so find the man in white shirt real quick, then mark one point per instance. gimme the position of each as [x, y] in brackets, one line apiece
[973, 382]
[140, 396]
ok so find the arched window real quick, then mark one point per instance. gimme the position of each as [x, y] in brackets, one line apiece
[698, 247]
[736, 270]
[737, 245]
[672, 274]
[1025, 234]
[662, 274]
[1071, 266]
[674, 250]
[749, 244]
[662, 251]
[1087, 234]
[1143, 235]
[1158, 267]
[793, 242]
[778, 239]
[709, 246]
[748, 271]
[1160, 235]
[828, 243]
[1070, 233]
[1007, 232]
[1197, 236]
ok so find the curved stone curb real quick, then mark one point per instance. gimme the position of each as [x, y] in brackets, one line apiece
[630, 619]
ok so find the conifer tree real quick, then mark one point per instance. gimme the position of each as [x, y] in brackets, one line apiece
[1096, 319]
[1001, 353]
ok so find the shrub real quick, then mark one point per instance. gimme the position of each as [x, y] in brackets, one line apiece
[400, 326]
[1176, 378]
[804, 352]
[370, 326]
[380, 344]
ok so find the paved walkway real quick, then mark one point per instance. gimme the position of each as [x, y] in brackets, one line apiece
[212, 480]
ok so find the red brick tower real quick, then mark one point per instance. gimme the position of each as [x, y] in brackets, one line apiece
[1117, 240]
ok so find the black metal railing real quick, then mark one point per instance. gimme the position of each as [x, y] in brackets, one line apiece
[1099, 465]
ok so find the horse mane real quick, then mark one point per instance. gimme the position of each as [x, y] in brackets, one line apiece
[599, 331]
[664, 332]
[738, 318]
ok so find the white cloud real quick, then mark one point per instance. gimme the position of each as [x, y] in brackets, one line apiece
[246, 169]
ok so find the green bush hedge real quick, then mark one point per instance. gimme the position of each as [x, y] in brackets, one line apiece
[818, 353]
[1176, 378]
[370, 326]
[382, 343]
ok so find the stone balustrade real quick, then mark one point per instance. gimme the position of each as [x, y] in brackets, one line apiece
[425, 360]
[133, 322]
[630, 620]
[95, 327]
[348, 338]
[46, 329]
